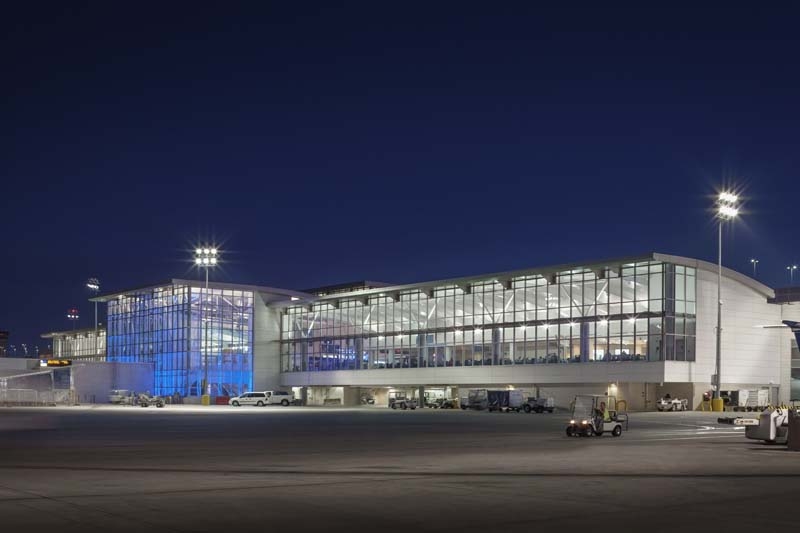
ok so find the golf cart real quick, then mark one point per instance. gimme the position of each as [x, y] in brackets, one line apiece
[587, 418]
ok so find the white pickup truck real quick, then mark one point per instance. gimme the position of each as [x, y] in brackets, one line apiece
[279, 397]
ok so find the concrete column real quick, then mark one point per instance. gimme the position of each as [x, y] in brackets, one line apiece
[358, 346]
[421, 399]
[585, 344]
[496, 345]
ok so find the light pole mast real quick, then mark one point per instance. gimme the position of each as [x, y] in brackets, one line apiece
[206, 258]
[726, 210]
[93, 284]
[755, 267]
[791, 269]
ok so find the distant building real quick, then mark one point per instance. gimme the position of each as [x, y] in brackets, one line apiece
[4, 343]
[78, 345]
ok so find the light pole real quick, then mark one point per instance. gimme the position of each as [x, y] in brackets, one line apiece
[755, 266]
[791, 269]
[726, 210]
[72, 315]
[93, 284]
[205, 257]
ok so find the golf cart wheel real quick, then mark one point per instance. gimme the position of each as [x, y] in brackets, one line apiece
[160, 404]
[236, 404]
[570, 431]
[588, 432]
[527, 408]
[413, 407]
[394, 406]
[260, 403]
[617, 431]
[285, 403]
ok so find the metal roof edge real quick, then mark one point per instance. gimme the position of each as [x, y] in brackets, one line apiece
[756, 285]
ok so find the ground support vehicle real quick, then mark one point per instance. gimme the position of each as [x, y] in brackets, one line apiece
[538, 405]
[492, 400]
[748, 400]
[771, 426]
[145, 400]
[587, 419]
[672, 404]
[401, 402]
[443, 403]
[122, 397]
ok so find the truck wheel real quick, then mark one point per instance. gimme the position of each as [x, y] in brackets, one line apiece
[413, 407]
[463, 407]
[394, 406]
[527, 408]
[285, 403]
[260, 403]
[235, 404]
[550, 410]
[570, 431]
[160, 404]
[617, 431]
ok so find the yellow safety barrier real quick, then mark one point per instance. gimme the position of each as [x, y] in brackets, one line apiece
[717, 404]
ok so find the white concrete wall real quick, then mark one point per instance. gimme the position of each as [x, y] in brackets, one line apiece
[788, 312]
[600, 373]
[750, 354]
[18, 363]
[266, 346]
[93, 380]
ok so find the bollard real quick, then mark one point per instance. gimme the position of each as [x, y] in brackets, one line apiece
[793, 441]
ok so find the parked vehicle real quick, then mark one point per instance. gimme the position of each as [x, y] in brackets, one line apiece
[746, 399]
[122, 397]
[145, 400]
[667, 403]
[444, 403]
[538, 405]
[280, 397]
[249, 398]
[367, 400]
[403, 403]
[493, 400]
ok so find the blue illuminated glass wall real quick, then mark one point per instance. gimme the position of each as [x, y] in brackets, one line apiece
[178, 329]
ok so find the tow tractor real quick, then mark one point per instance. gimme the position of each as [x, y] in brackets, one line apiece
[585, 421]
[771, 426]
[145, 400]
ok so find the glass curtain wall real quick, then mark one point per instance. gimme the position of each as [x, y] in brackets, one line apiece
[179, 329]
[631, 314]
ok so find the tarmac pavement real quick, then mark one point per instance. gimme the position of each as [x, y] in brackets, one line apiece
[187, 469]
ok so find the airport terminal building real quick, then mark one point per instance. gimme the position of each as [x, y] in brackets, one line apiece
[637, 327]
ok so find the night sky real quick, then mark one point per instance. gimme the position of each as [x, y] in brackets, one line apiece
[386, 141]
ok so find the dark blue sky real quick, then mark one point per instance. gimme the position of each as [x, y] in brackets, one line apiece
[396, 142]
